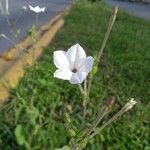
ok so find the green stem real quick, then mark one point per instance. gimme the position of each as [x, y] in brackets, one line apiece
[37, 20]
[18, 18]
[121, 112]
[100, 116]
[107, 34]
[85, 101]
[81, 89]
[1, 7]
[12, 28]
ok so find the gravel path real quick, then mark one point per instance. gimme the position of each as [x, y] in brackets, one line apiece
[137, 9]
[53, 7]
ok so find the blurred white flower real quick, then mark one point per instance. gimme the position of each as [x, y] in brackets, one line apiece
[37, 9]
[72, 65]
[3, 36]
[24, 8]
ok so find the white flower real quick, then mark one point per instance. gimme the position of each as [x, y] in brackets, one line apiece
[37, 9]
[24, 8]
[3, 36]
[129, 104]
[72, 65]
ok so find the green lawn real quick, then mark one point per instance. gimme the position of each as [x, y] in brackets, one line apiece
[34, 117]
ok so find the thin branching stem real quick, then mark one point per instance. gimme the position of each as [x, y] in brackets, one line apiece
[81, 89]
[107, 34]
[85, 101]
[114, 118]
[1, 7]
[13, 42]
[18, 18]
[85, 84]
[98, 119]
[37, 20]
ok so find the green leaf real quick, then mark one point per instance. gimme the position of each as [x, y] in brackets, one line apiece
[33, 113]
[64, 148]
[94, 70]
[43, 82]
[72, 132]
[83, 143]
[19, 133]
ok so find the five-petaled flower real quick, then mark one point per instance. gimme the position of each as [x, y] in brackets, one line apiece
[72, 65]
[37, 9]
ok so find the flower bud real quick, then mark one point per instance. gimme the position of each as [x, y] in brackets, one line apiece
[114, 12]
[7, 56]
[24, 8]
[110, 101]
[94, 70]
[69, 108]
[129, 105]
[3, 36]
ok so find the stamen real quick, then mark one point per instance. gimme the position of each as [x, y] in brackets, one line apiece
[74, 70]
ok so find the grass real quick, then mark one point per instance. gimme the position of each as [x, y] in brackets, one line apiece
[34, 117]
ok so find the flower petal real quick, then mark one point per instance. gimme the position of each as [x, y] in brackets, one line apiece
[75, 54]
[78, 77]
[60, 60]
[37, 9]
[63, 74]
[43, 9]
[87, 65]
[80, 63]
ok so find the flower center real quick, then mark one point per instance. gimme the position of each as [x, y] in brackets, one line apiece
[74, 70]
